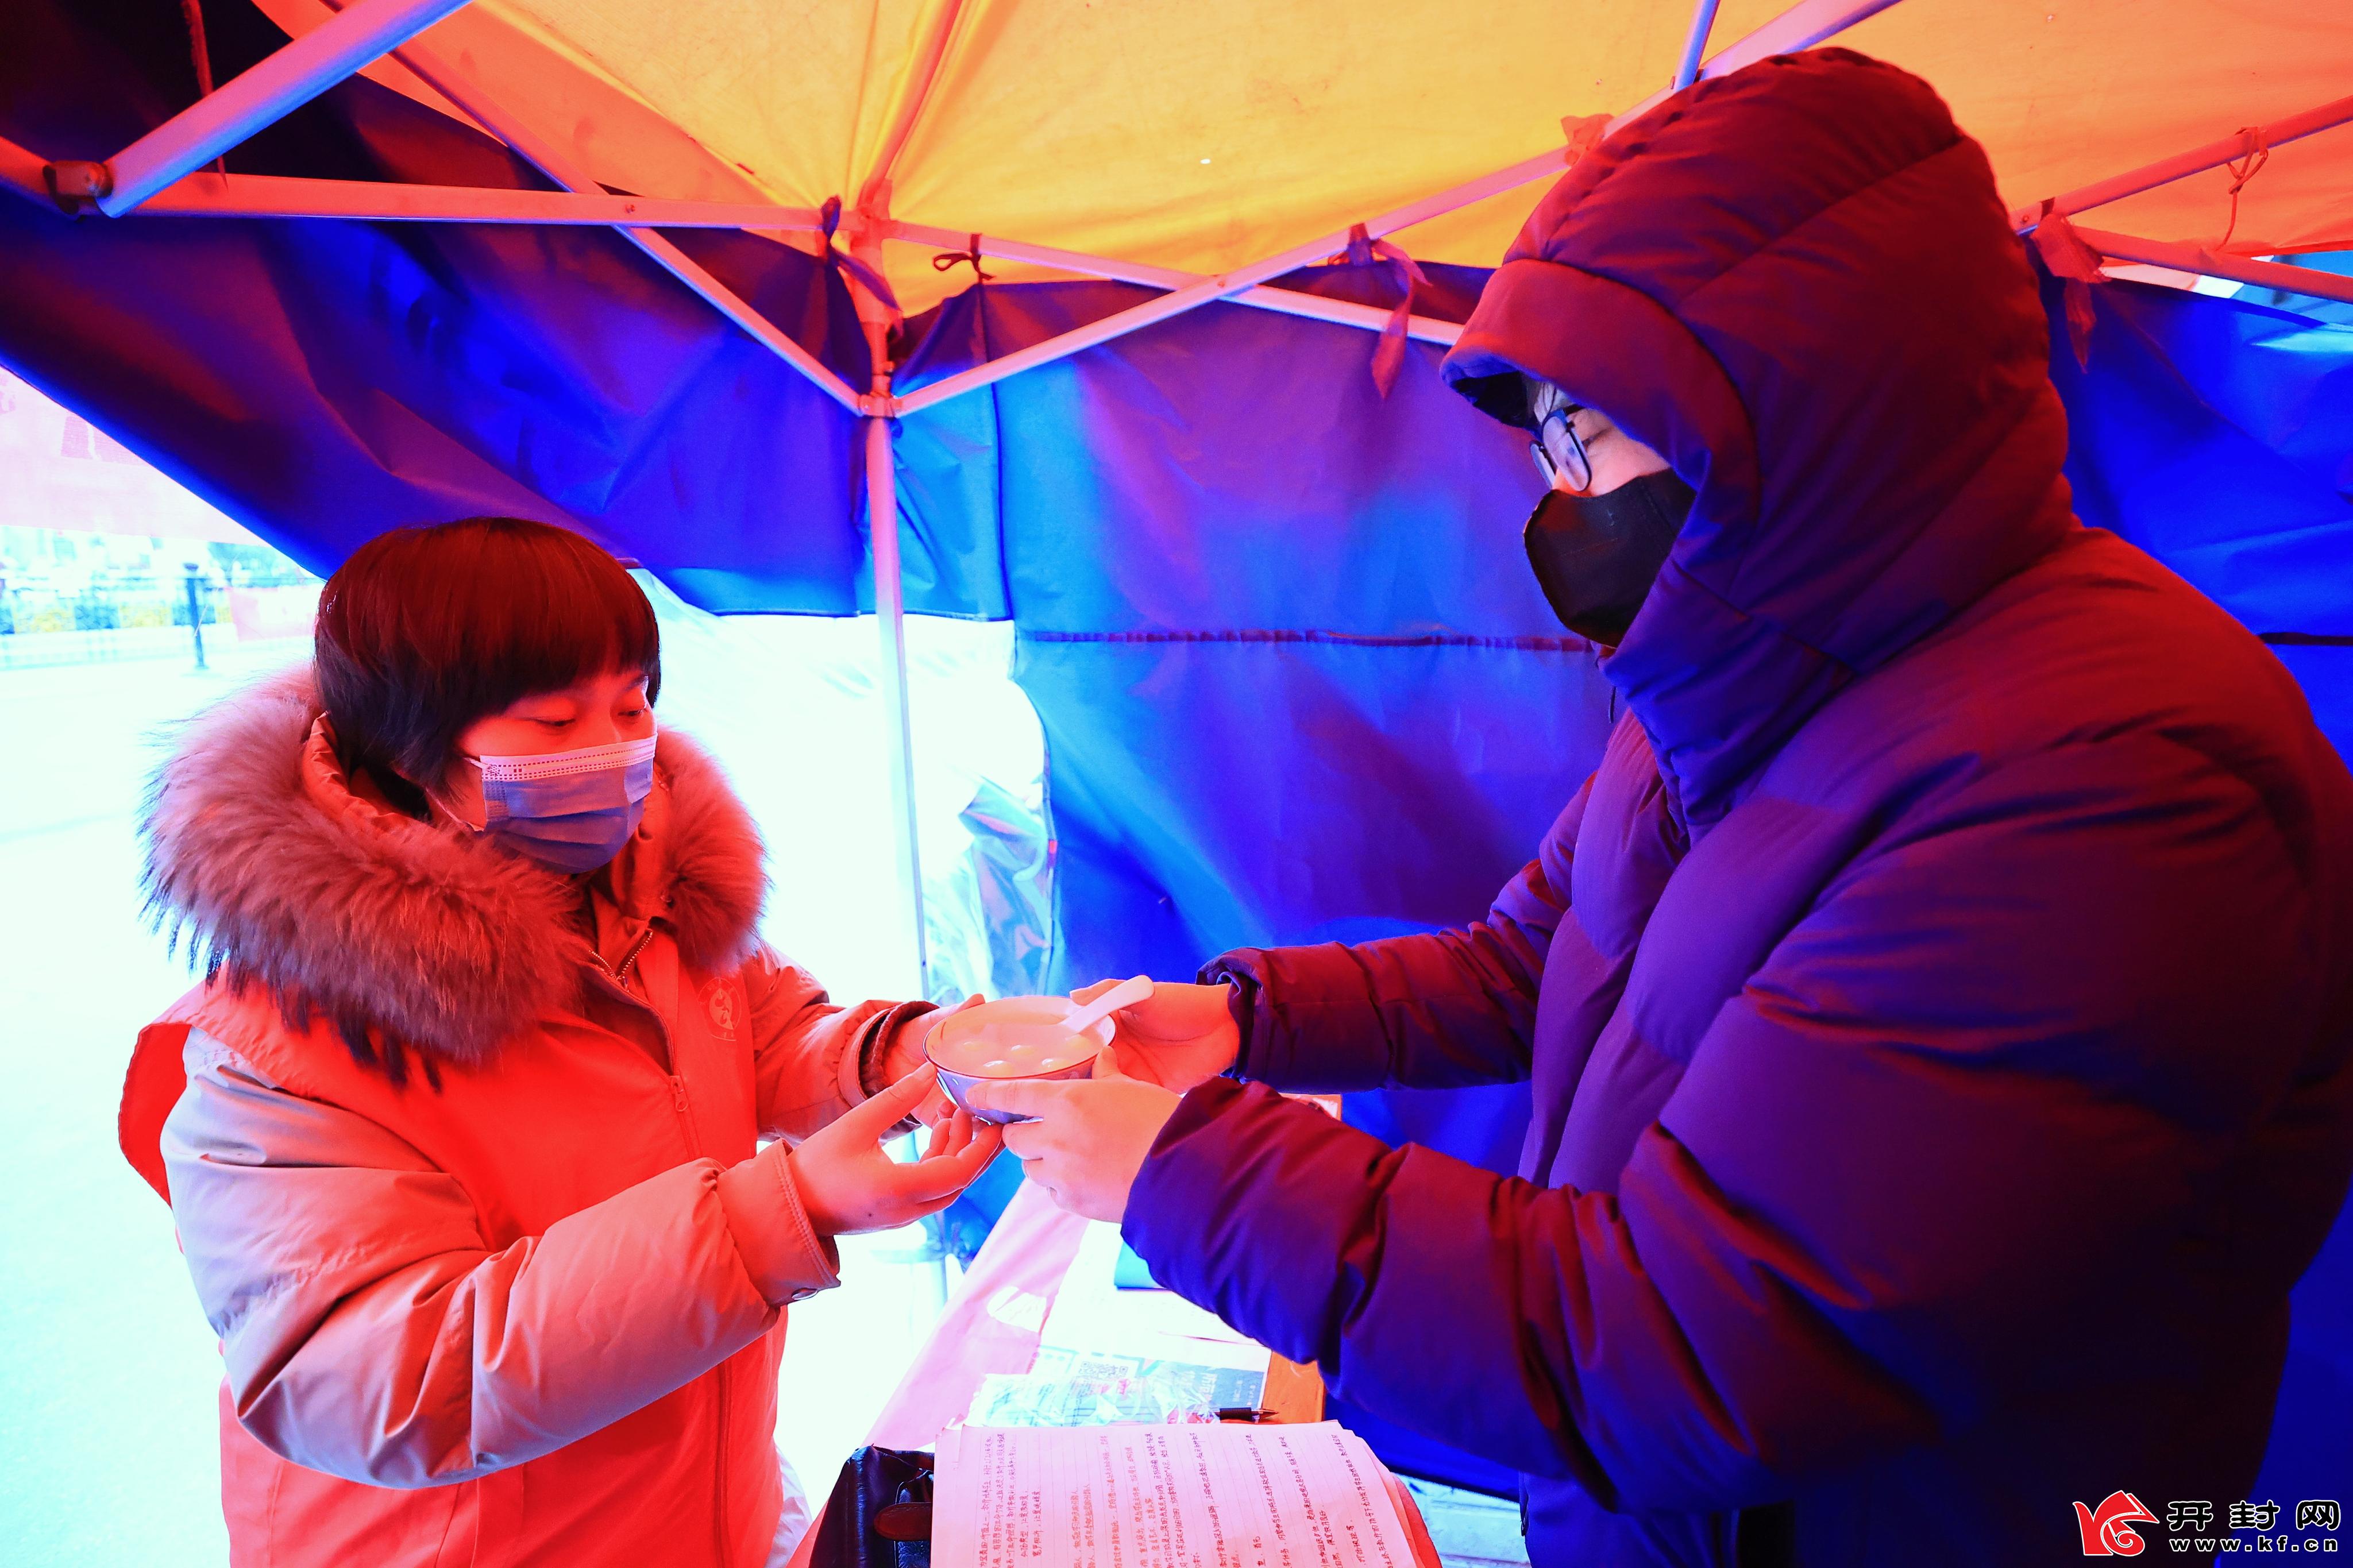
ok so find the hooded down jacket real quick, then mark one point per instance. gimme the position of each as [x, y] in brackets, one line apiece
[524, 1304]
[1938, 1002]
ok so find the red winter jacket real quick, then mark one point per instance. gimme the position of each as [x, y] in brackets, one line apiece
[1938, 1003]
[526, 1308]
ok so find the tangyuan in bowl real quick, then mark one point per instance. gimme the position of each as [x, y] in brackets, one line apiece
[1015, 1037]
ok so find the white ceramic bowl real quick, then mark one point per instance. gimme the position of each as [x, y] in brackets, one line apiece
[958, 1046]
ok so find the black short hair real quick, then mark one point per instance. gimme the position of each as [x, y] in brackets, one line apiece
[423, 631]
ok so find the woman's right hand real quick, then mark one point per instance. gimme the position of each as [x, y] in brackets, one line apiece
[847, 1183]
[1178, 1037]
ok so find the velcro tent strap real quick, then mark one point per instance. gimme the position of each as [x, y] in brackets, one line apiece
[2258, 153]
[2064, 252]
[1388, 354]
[1583, 132]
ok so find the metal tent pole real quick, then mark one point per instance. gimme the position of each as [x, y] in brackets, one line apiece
[1703, 23]
[207, 195]
[2239, 269]
[1800, 27]
[891, 602]
[263, 95]
[20, 171]
[1285, 301]
[890, 617]
[454, 84]
[586, 205]
[1209, 290]
[2213, 155]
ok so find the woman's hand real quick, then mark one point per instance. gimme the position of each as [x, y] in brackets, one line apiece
[847, 1184]
[1090, 1136]
[1178, 1037]
[903, 1055]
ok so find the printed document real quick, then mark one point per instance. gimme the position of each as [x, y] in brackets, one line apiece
[1163, 1497]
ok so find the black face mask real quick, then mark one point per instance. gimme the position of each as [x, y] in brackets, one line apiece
[1596, 556]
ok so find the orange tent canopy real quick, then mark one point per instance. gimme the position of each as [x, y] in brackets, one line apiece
[1202, 136]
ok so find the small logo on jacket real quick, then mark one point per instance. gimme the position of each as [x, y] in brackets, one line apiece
[2109, 1533]
[721, 1001]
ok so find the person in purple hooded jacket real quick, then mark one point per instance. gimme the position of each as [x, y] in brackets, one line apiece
[1937, 1003]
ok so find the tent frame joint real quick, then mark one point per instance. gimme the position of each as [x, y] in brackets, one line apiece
[77, 185]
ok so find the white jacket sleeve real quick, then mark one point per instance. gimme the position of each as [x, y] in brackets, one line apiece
[370, 1331]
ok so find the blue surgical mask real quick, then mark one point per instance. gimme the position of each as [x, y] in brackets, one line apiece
[571, 810]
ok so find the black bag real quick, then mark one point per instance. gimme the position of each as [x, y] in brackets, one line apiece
[880, 1515]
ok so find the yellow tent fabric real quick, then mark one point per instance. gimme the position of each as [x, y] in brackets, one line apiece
[1206, 133]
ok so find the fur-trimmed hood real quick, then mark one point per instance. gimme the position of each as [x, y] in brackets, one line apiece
[262, 856]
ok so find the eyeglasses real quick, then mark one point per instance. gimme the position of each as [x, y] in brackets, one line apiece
[1560, 456]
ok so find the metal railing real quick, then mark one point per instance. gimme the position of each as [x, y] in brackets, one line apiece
[147, 615]
[42, 650]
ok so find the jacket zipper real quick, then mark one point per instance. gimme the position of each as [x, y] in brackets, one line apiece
[621, 971]
[620, 974]
[720, 1435]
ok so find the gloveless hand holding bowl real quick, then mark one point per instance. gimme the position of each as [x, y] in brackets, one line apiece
[1020, 1037]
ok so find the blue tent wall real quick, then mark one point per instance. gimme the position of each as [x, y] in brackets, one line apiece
[1295, 680]
[2217, 436]
[1291, 664]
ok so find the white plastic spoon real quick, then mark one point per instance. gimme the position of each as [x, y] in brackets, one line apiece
[1126, 994]
[1040, 1041]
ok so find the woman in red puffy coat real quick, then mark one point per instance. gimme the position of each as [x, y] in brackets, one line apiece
[464, 1126]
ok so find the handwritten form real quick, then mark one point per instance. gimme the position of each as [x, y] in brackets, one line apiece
[1163, 1497]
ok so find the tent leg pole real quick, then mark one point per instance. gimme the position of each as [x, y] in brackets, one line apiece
[890, 617]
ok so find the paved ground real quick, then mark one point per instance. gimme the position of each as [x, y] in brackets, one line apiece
[108, 1374]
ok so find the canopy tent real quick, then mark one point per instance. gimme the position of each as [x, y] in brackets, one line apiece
[1162, 143]
[1203, 138]
[1208, 150]
[1203, 516]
